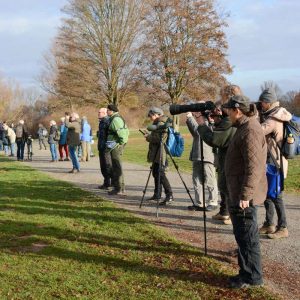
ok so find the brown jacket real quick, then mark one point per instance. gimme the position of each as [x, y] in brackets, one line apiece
[273, 129]
[245, 164]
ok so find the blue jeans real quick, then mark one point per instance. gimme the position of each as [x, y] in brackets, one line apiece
[74, 158]
[53, 151]
[12, 149]
[6, 149]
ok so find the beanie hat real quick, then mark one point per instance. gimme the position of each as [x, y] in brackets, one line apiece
[155, 111]
[112, 107]
[268, 96]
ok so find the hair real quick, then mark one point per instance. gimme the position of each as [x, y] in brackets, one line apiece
[229, 91]
[63, 119]
[21, 122]
[52, 122]
[249, 111]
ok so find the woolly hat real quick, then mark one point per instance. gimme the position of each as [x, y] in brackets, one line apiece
[155, 111]
[112, 107]
[268, 96]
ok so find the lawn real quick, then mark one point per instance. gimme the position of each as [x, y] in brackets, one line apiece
[60, 242]
[137, 147]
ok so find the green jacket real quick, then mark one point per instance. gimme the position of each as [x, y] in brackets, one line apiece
[73, 135]
[220, 138]
[154, 140]
[117, 131]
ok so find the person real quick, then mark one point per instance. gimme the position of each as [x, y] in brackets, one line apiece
[85, 139]
[62, 143]
[11, 135]
[209, 179]
[104, 156]
[52, 140]
[247, 185]
[21, 137]
[29, 143]
[116, 140]
[219, 138]
[5, 139]
[42, 133]
[273, 117]
[73, 139]
[157, 155]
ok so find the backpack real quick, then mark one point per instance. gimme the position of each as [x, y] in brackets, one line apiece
[44, 132]
[291, 140]
[275, 181]
[175, 142]
[19, 131]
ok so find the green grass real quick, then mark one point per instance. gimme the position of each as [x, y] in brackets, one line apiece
[60, 242]
[137, 147]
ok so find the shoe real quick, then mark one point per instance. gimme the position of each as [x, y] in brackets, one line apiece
[195, 208]
[103, 187]
[154, 197]
[280, 233]
[236, 282]
[211, 207]
[72, 171]
[267, 229]
[67, 159]
[60, 159]
[227, 222]
[168, 199]
[220, 217]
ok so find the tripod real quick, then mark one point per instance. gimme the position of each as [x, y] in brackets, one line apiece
[162, 146]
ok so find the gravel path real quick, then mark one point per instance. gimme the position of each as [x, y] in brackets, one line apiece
[281, 258]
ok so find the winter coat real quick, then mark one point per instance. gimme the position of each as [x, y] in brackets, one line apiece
[40, 132]
[245, 165]
[103, 133]
[154, 139]
[11, 135]
[273, 127]
[52, 134]
[195, 153]
[63, 134]
[86, 132]
[73, 135]
[24, 136]
[117, 131]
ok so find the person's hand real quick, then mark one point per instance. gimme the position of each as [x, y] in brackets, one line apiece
[200, 120]
[244, 204]
[189, 115]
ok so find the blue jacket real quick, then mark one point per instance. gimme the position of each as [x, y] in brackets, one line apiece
[103, 132]
[85, 132]
[63, 134]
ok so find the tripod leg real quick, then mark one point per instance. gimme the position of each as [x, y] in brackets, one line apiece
[177, 169]
[146, 186]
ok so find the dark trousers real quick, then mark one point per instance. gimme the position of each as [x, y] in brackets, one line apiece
[222, 185]
[20, 149]
[163, 180]
[247, 237]
[105, 167]
[117, 170]
[275, 204]
[42, 143]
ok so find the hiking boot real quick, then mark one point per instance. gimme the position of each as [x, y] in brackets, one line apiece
[154, 198]
[67, 159]
[227, 222]
[211, 207]
[220, 217]
[267, 229]
[60, 159]
[236, 282]
[168, 199]
[195, 208]
[116, 193]
[103, 187]
[280, 233]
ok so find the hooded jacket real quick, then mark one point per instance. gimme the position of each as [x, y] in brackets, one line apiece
[245, 165]
[273, 128]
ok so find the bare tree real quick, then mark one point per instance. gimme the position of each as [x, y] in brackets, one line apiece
[185, 49]
[106, 31]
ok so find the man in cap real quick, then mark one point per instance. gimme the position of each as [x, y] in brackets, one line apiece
[157, 154]
[273, 117]
[116, 140]
[247, 186]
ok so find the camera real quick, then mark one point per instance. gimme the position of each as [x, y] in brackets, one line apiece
[176, 109]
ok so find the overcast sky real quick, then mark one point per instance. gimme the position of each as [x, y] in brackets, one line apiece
[263, 36]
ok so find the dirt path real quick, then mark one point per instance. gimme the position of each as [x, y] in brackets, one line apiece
[281, 258]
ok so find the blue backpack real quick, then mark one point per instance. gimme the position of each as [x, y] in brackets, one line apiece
[291, 141]
[175, 142]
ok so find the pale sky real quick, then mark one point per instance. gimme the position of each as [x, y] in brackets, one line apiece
[263, 38]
